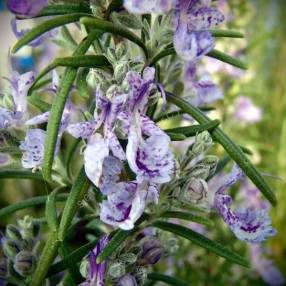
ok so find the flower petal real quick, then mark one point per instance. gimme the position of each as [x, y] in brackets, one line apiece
[148, 6]
[82, 129]
[33, 148]
[94, 155]
[39, 119]
[192, 45]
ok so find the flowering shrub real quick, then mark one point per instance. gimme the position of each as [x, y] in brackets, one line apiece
[135, 191]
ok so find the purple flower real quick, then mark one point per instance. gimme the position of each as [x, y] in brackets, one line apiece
[98, 147]
[204, 90]
[150, 159]
[19, 85]
[152, 250]
[249, 225]
[192, 18]
[96, 271]
[265, 267]
[124, 205]
[246, 111]
[33, 148]
[26, 8]
[125, 201]
[127, 280]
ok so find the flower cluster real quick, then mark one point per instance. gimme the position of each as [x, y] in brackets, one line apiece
[136, 172]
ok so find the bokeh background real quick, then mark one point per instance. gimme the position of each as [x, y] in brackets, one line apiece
[264, 83]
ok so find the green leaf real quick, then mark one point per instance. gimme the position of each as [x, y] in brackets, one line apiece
[59, 104]
[188, 217]
[29, 203]
[82, 85]
[76, 195]
[40, 84]
[61, 9]
[127, 20]
[40, 104]
[46, 259]
[227, 59]
[177, 136]
[230, 147]
[20, 174]
[166, 279]
[72, 258]
[166, 116]
[12, 150]
[192, 130]
[89, 61]
[51, 210]
[226, 33]
[213, 54]
[117, 239]
[202, 241]
[45, 27]
[106, 26]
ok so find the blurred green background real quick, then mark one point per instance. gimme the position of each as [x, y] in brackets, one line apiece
[264, 49]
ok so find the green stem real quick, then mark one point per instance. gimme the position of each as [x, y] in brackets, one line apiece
[48, 255]
[76, 195]
[59, 104]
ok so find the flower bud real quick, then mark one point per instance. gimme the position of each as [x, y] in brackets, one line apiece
[140, 274]
[116, 269]
[97, 78]
[127, 280]
[199, 171]
[13, 232]
[152, 251]
[10, 248]
[196, 191]
[120, 50]
[111, 56]
[120, 71]
[3, 267]
[211, 162]
[128, 258]
[24, 263]
[203, 143]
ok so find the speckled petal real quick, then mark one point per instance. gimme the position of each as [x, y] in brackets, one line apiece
[192, 45]
[148, 6]
[33, 148]
[82, 129]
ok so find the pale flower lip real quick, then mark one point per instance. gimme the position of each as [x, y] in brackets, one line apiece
[250, 225]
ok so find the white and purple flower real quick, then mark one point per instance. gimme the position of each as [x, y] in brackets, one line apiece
[251, 225]
[204, 90]
[19, 85]
[96, 271]
[192, 21]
